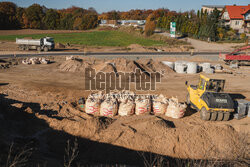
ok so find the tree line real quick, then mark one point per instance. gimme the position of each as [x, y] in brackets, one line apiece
[199, 25]
[40, 17]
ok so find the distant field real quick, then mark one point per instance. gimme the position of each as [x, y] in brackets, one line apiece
[92, 38]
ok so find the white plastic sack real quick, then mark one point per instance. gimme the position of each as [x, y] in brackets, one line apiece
[92, 106]
[159, 104]
[126, 108]
[175, 109]
[142, 105]
[159, 107]
[93, 103]
[109, 107]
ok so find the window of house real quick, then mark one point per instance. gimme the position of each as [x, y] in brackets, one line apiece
[237, 23]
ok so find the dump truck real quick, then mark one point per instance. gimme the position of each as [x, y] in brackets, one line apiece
[209, 99]
[42, 44]
[239, 56]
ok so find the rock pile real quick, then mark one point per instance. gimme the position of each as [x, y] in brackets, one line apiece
[35, 60]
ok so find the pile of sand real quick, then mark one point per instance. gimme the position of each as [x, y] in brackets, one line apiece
[136, 48]
[115, 65]
[76, 65]
[60, 46]
[156, 66]
[155, 134]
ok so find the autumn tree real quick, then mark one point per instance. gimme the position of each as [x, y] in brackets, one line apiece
[89, 21]
[113, 15]
[35, 15]
[51, 19]
[150, 25]
[66, 21]
[19, 16]
[8, 15]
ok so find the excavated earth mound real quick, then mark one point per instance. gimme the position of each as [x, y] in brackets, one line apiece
[77, 65]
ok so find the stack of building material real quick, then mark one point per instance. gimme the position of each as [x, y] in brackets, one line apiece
[242, 109]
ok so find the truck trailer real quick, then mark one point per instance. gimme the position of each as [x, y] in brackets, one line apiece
[239, 56]
[42, 44]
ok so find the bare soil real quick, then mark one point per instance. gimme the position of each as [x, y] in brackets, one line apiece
[47, 95]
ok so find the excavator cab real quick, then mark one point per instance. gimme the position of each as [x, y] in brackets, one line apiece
[208, 98]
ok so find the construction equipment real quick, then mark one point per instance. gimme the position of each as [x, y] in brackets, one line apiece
[45, 44]
[208, 98]
[239, 56]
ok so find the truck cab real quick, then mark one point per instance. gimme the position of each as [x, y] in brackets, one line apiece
[49, 42]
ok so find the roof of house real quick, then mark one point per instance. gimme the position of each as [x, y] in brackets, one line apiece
[237, 12]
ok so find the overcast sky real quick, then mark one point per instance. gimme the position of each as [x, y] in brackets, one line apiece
[124, 5]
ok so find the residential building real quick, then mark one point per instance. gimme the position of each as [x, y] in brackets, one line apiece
[115, 23]
[211, 8]
[237, 17]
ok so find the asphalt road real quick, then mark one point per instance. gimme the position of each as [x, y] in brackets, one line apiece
[130, 55]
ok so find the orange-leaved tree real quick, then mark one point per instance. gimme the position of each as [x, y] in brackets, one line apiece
[150, 25]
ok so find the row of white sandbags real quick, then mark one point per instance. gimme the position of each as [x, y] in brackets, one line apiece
[125, 104]
[35, 60]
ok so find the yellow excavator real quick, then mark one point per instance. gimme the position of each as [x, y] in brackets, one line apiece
[208, 98]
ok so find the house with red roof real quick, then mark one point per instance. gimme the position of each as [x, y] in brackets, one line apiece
[237, 17]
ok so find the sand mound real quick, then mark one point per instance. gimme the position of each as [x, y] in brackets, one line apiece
[116, 65]
[124, 65]
[136, 48]
[151, 65]
[59, 45]
[76, 65]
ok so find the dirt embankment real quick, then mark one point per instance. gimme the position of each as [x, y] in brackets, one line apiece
[189, 137]
[114, 65]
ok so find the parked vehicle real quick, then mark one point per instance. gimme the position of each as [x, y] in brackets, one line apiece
[43, 44]
[239, 56]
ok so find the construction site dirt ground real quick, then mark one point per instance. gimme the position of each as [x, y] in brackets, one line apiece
[37, 104]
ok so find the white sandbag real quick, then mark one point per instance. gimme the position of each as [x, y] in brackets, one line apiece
[159, 107]
[175, 109]
[126, 108]
[142, 105]
[92, 106]
[159, 104]
[93, 103]
[109, 107]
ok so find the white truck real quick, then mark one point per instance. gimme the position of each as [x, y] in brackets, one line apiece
[43, 44]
